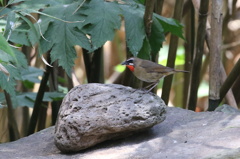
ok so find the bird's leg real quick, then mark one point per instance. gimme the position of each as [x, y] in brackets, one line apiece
[149, 85]
[153, 85]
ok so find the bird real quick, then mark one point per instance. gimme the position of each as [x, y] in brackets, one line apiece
[149, 71]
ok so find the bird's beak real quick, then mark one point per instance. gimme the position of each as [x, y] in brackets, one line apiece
[124, 63]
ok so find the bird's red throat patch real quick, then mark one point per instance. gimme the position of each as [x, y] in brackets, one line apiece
[131, 67]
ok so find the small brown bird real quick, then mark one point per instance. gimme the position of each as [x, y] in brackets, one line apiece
[149, 71]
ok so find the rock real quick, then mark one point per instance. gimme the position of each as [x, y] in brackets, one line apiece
[182, 135]
[227, 109]
[94, 113]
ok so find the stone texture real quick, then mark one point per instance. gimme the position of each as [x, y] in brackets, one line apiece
[94, 113]
[182, 135]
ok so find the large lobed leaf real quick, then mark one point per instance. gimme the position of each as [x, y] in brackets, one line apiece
[61, 37]
[137, 41]
[134, 26]
[103, 18]
[170, 25]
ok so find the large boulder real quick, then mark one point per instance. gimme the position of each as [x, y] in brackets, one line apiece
[182, 135]
[93, 113]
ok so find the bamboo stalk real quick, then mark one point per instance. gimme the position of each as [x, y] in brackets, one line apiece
[38, 101]
[236, 92]
[97, 72]
[87, 63]
[158, 6]
[42, 115]
[172, 52]
[231, 78]
[94, 65]
[189, 48]
[215, 54]
[53, 87]
[229, 95]
[12, 124]
[197, 63]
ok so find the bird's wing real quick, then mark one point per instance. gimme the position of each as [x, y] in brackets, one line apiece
[154, 67]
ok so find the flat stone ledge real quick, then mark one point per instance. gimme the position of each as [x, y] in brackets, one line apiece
[183, 135]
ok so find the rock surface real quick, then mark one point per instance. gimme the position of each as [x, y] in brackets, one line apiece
[182, 135]
[93, 113]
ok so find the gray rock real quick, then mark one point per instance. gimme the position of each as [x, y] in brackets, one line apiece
[182, 135]
[227, 109]
[94, 113]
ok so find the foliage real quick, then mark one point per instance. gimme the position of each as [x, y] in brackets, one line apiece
[62, 24]
[27, 99]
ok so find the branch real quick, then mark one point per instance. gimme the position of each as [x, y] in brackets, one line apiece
[148, 16]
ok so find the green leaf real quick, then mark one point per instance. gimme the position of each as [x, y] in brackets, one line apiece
[171, 25]
[63, 36]
[27, 99]
[5, 58]
[20, 34]
[103, 18]
[15, 1]
[7, 83]
[22, 61]
[6, 48]
[157, 36]
[145, 52]
[33, 33]
[23, 31]
[10, 24]
[53, 96]
[134, 26]
[31, 74]
[14, 71]
[141, 1]
[28, 85]
[4, 11]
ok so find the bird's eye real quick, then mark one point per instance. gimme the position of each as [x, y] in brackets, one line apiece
[130, 62]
